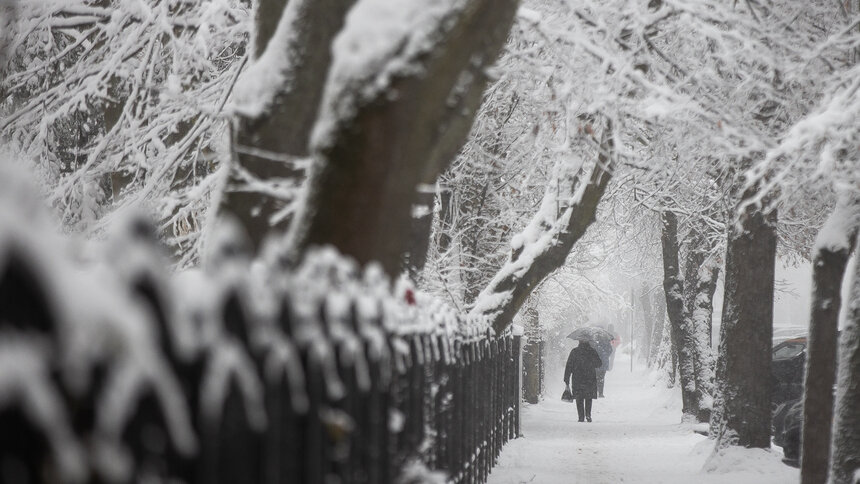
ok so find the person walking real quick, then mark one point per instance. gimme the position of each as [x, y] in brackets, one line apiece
[616, 340]
[580, 374]
[608, 361]
[600, 373]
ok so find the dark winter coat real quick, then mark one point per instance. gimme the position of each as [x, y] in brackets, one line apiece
[579, 371]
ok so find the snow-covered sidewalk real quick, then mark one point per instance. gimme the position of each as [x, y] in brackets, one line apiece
[635, 437]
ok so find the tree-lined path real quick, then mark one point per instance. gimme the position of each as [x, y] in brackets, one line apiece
[635, 437]
[300, 238]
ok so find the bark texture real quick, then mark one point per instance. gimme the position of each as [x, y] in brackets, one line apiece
[700, 276]
[845, 458]
[673, 287]
[264, 144]
[741, 414]
[702, 314]
[828, 270]
[363, 183]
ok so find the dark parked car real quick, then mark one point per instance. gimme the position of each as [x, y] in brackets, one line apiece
[787, 367]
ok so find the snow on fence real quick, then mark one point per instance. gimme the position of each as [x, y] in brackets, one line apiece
[113, 370]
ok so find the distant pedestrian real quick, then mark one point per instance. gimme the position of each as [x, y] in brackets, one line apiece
[600, 375]
[616, 340]
[579, 374]
[608, 361]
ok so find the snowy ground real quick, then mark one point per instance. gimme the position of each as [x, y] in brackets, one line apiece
[635, 437]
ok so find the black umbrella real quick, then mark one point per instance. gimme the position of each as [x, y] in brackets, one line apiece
[599, 339]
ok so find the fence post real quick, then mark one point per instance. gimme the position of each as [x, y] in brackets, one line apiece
[470, 409]
[460, 411]
[518, 355]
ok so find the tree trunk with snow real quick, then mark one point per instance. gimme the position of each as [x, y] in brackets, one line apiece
[658, 328]
[666, 359]
[278, 100]
[845, 454]
[548, 241]
[702, 313]
[832, 250]
[647, 319]
[700, 283]
[845, 450]
[532, 356]
[395, 122]
[741, 414]
[673, 287]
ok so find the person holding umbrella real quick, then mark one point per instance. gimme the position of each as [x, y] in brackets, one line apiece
[607, 356]
[580, 375]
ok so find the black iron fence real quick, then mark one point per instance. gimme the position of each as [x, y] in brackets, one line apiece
[112, 371]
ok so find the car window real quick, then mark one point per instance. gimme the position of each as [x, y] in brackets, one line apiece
[788, 350]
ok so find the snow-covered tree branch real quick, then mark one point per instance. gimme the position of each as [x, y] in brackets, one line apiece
[543, 246]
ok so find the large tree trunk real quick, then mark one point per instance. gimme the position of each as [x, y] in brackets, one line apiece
[274, 128]
[741, 414]
[549, 243]
[673, 287]
[700, 283]
[833, 247]
[379, 138]
[702, 313]
[845, 455]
